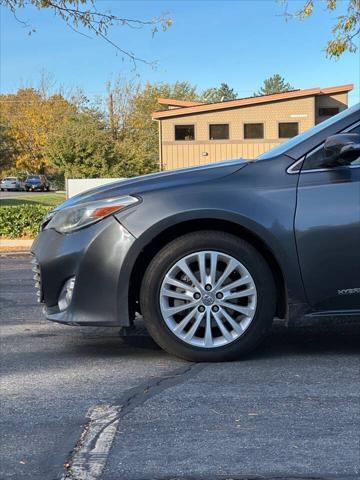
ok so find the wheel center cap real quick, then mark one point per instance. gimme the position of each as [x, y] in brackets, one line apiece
[207, 299]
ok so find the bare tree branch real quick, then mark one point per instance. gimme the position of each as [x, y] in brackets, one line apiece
[77, 16]
[345, 30]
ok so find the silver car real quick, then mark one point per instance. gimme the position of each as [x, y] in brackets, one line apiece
[11, 183]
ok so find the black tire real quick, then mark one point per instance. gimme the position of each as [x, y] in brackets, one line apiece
[228, 244]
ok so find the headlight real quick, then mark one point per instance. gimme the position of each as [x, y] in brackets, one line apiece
[80, 216]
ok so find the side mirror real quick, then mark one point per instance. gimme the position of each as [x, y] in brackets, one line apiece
[341, 149]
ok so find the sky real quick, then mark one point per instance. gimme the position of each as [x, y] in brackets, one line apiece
[240, 42]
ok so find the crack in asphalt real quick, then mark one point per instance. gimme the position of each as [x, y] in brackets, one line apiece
[89, 462]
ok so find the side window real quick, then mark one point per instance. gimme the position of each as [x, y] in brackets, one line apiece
[219, 131]
[288, 129]
[185, 132]
[328, 111]
[316, 158]
[253, 130]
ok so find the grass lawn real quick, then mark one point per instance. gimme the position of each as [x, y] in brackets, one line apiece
[46, 199]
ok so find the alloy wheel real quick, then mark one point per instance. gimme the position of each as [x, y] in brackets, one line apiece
[208, 299]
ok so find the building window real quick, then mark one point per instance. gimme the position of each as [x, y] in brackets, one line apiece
[184, 132]
[328, 111]
[219, 131]
[253, 130]
[288, 129]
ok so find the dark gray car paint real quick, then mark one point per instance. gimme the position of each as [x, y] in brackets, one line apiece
[258, 196]
[327, 226]
[98, 276]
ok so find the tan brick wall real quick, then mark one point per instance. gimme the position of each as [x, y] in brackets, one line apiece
[177, 154]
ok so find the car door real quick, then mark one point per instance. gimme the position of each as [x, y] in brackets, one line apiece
[327, 230]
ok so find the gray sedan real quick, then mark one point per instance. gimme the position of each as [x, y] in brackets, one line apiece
[210, 255]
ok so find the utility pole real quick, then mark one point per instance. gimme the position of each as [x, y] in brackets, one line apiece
[112, 118]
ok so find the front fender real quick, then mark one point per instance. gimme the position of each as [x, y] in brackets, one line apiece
[260, 204]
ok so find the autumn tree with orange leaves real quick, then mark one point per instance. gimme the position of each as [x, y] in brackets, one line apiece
[29, 118]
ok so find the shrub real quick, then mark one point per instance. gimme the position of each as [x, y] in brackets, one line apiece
[22, 220]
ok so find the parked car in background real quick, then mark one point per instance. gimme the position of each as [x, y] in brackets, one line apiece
[11, 183]
[37, 182]
[210, 255]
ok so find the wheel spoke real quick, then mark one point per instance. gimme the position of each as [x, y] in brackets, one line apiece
[208, 333]
[238, 283]
[174, 294]
[222, 327]
[184, 322]
[229, 269]
[202, 269]
[178, 283]
[192, 331]
[235, 325]
[213, 268]
[241, 294]
[185, 268]
[247, 311]
[173, 310]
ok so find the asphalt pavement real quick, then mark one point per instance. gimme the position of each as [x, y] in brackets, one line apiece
[290, 410]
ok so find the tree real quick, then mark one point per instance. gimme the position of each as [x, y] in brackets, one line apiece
[29, 119]
[43, 133]
[83, 16]
[219, 94]
[345, 30]
[82, 147]
[274, 84]
[138, 140]
[118, 104]
[7, 149]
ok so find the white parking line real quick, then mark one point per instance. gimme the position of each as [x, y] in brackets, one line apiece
[93, 448]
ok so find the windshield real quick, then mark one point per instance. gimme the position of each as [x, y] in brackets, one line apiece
[9, 179]
[308, 133]
[33, 177]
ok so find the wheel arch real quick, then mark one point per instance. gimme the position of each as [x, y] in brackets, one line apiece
[194, 225]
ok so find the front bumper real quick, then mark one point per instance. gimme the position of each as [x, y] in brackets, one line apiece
[95, 256]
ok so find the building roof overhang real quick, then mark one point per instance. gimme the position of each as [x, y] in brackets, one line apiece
[191, 108]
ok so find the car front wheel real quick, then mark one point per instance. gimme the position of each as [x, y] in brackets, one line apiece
[208, 296]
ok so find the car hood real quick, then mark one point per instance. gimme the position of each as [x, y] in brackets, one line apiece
[157, 181]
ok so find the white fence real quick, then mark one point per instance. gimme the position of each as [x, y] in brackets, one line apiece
[74, 186]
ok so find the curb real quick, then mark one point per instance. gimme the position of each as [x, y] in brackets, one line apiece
[13, 246]
[14, 253]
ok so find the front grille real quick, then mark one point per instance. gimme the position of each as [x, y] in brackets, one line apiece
[37, 278]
